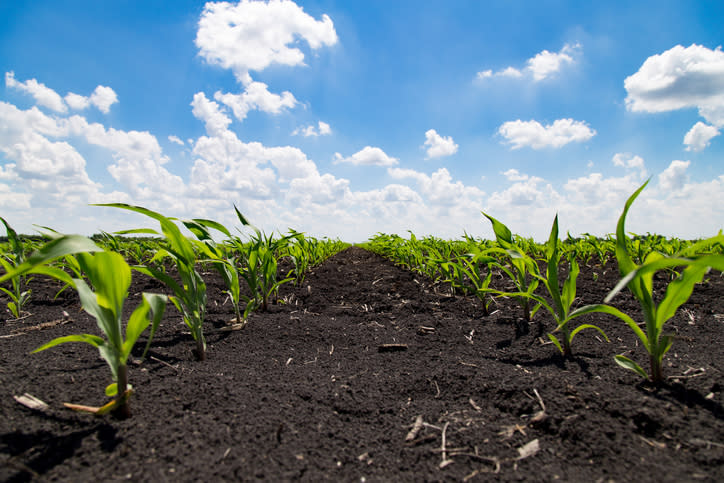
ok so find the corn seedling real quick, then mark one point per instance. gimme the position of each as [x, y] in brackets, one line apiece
[189, 295]
[259, 260]
[639, 280]
[519, 269]
[110, 276]
[19, 295]
[220, 258]
[562, 298]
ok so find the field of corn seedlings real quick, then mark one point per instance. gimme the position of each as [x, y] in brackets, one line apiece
[201, 352]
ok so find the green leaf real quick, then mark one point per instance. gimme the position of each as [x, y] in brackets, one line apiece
[627, 363]
[158, 306]
[93, 340]
[105, 318]
[502, 233]
[625, 263]
[679, 291]
[65, 245]
[110, 276]
[557, 343]
[112, 389]
[587, 326]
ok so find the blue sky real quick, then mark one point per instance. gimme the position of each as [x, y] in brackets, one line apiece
[344, 119]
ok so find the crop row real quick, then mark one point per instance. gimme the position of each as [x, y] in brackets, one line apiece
[532, 269]
[100, 273]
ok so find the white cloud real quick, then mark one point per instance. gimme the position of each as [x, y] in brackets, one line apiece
[210, 113]
[176, 140]
[438, 146]
[629, 161]
[76, 101]
[514, 175]
[699, 136]
[250, 36]
[533, 134]
[674, 177]
[322, 129]
[543, 65]
[43, 95]
[679, 78]
[368, 156]
[439, 188]
[102, 97]
[256, 96]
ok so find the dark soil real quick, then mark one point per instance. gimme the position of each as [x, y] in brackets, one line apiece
[314, 390]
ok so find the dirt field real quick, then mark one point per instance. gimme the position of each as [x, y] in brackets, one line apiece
[329, 385]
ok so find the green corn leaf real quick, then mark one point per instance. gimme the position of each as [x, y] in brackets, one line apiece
[93, 340]
[627, 363]
[110, 276]
[502, 233]
[587, 326]
[241, 217]
[59, 247]
[176, 239]
[106, 318]
[556, 342]
[15, 244]
[625, 263]
[679, 291]
[158, 306]
[569, 286]
[139, 321]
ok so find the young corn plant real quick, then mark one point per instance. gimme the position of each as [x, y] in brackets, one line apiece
[562, 297]
[110, 276]
[19, 294]
[471, 265]
[189, 295]
[639, 280]
[219, 255]
[519, 269]
[259, 260]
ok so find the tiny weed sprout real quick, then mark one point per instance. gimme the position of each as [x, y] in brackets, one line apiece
[189, 295]
[110, 276]
[639, 280]
[520, 267]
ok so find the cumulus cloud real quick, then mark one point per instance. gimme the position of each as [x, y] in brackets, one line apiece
[102, 97]
[439, 187]
[321, 129]
[543, 65]
[368, 156]
[629, 161]
[699, 136]
[533, 134]
[438, 146]
[256, 96]
[250, 36]
[674, 177]
[679, 78]
[210, 113]
[43, 95]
